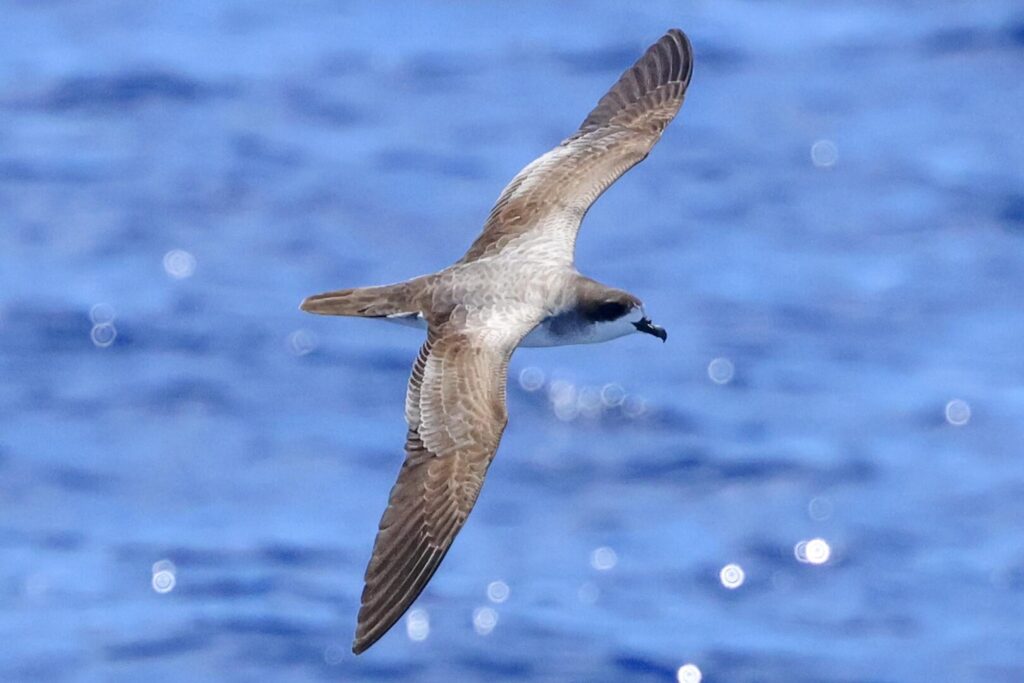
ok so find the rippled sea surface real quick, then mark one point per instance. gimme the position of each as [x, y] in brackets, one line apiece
[192, 470]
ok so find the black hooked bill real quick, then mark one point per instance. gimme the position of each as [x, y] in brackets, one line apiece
[645, 325]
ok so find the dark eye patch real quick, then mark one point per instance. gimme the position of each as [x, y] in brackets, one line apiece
[608, 310]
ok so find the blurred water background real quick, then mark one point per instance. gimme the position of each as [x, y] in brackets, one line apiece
[819, 478]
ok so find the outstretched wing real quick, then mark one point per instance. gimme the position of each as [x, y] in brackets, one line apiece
[544, 205]
[455, 407]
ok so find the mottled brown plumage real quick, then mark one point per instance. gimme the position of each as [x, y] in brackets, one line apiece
[558, 188]
[516, 285]
[455, 408]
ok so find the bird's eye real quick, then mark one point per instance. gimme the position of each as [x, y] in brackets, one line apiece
[610, 310]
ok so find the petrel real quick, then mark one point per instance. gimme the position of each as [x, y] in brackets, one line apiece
[516, 286]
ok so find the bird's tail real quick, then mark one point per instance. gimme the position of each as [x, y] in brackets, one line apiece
[368, 302]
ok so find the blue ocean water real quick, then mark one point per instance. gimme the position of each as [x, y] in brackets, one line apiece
[192, 470]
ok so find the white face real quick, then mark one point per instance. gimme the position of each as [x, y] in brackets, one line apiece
[635, 320]
[613, 329]
[591, 333]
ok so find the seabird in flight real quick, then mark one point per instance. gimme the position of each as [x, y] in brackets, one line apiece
[516, 286]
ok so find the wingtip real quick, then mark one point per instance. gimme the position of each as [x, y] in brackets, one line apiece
[687, 50]
[317, 304]
[680, 34]
[367, 633]
[366, 638]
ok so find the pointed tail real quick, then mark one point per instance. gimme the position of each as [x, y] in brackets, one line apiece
[368, 302]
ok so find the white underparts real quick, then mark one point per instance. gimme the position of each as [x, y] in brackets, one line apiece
[558, 331]
[555, 331]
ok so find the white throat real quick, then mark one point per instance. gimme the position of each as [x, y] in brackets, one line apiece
[546, 334]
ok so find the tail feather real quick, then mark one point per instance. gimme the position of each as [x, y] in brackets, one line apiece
[368, 302]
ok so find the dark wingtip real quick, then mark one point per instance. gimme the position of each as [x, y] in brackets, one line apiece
[365, 637]
[687, 51]
[667, 61]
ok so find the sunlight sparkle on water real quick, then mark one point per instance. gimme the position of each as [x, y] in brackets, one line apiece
[958, 412]
[531, 378]
[814, 551]
[179, 264]
[634, 406]
[819, 509]
[164, 576]
[164, 566]
[721, 370]
[824, 153]
[302, 342]
[498, 591]
[603, 558]
[589, 402]
[563, 395]
[569, 401]
[732, 576]
[484, 620]
[103, 334]
[688, 673]
[101, 313]
[417, 625]
[333, 655]
[612, 395]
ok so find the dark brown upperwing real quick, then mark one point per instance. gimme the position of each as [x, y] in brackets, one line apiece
[455, 408]
[554, 192]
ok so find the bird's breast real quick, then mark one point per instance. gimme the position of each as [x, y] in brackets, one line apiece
[570, 328]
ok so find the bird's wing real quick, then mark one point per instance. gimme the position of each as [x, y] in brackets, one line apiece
[544, 204]
[455, 408]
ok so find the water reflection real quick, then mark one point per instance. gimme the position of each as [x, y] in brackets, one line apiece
[814, 551]
[417, 625]
[958, 412]
[824, 153]
[603, 558]
[101, 313]
[103, 335]
[732, 576]
[819, 509]
[179, 264]
[175, 419]
[484, 620]
[688, 673]
[721, 370]
[531, 378]
[498, 591]
[302, 342]
[164, 576]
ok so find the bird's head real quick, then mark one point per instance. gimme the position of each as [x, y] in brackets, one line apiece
[626, 311]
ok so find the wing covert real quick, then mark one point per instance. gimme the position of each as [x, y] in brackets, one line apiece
[455, 409]
[548, 199]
